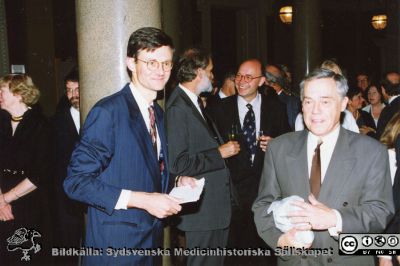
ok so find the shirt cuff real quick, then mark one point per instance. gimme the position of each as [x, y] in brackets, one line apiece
[385, 257]
[122, 203]
[334, 231]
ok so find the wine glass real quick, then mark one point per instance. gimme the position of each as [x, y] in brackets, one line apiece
[232, 134]
[260, 133]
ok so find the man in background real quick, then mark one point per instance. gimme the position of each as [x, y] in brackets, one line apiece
[68, 220]
[277, 80]
[197, 149]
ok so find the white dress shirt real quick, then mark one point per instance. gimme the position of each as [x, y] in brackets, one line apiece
[123, 199]
[221, 94]
[326, 151]
[75, 117]
[392, 163]
[256, 103]
[193, 97]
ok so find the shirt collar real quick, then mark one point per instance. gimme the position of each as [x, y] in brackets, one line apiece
[222, 94]
[392, 98]
[255, 102]
[328, 140]
[193, 97]
[140, 100]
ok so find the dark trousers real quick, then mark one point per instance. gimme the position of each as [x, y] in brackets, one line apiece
[243, 235]
[206, 239]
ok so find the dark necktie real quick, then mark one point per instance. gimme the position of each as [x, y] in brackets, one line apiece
[153, 129]
[315, 177]
[249, 130]
[200, 102]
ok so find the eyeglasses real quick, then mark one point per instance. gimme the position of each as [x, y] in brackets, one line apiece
[247, 78]
[153, 65]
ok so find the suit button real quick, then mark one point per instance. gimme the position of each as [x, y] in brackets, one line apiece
[329, 260]
[345, 204]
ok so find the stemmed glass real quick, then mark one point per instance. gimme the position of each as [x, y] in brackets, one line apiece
[260, 133]
[233, 133]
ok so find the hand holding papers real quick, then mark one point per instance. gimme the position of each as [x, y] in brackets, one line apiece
[280, 210]
[187, 193]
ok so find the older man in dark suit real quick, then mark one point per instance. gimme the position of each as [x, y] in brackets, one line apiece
[197, 149]
[343, 176]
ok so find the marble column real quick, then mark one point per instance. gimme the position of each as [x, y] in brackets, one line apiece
[103, 30]
[4, 60]
[307, 37]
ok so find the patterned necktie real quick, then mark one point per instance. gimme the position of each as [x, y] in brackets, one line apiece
[153, 129]
[315, 177]
[249, 130]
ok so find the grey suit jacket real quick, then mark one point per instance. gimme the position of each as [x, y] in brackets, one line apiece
[357, 184]
[193, 151]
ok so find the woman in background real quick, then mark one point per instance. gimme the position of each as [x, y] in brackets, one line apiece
[25, 161]
[390, 138]
[375, 99]
[364, 121]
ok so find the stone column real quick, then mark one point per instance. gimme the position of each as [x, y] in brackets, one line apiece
[103, 29]
[307, 37]
[4, 60]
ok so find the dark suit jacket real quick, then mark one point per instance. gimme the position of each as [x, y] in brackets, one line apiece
[293, 107]
[115, 152]
[387, 113]
[68, 213]
[193, 151]
[357, 184]
[273, 122]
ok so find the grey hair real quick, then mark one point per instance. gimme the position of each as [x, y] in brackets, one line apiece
[322, 73]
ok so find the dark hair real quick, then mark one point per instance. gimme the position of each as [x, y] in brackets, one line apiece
[191, 60]
[281, 80]
[378, 89]
[73, 76]
[148, 39]
[390, 88]
[321, 73]
[353, 91]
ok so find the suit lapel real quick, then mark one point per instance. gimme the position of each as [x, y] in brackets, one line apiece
[263, 127]
[339, 169]
[71, 124]
[298, 167]
[140, 132]
[194, 110]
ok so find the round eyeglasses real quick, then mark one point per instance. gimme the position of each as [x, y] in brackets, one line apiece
[246, 78]
[153, 65]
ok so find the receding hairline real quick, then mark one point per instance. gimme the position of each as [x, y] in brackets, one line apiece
[253, 61]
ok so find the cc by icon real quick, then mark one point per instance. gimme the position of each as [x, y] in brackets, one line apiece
[349, 244]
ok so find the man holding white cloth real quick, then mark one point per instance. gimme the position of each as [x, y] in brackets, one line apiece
[342, 176]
